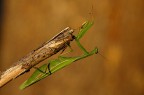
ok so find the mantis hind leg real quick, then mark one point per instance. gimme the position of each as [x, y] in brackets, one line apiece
[45, 71]
[49, 68]
[64, 48]
[66, 45]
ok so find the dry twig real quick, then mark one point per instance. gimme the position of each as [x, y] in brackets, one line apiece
[53, 46]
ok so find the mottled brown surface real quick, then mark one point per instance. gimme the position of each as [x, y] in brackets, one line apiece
[58, 43]
[118, 33]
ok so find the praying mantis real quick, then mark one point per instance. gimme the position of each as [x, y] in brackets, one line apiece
[59, 63]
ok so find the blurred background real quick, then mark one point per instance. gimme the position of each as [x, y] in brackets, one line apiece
[118, 33]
